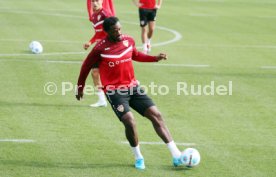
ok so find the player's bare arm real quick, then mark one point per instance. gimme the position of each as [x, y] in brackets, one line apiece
[136, 3]
[158, 5]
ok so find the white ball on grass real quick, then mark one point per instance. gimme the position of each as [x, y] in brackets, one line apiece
[36, 47]
[190, 157]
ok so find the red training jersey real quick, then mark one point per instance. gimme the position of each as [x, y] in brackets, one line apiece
[107, 5]
[97, 20]
[147, 4]
[115, 63]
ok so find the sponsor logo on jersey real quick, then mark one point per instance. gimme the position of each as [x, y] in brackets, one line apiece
[111, 64]
[99, 17]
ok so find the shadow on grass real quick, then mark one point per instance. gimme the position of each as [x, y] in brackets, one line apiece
[180, 168]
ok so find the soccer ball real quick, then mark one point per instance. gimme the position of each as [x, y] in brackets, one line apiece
[190, 157]
[36, 47]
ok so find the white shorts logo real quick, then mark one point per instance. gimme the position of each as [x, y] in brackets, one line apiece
[120, 108]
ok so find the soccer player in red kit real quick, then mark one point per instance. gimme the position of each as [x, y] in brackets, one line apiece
[97, 12]
[114, 55]
[147, 16]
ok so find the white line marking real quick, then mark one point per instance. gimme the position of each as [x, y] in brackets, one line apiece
[63, 62]
[38, 60]
[79, 62]
[225, 1]
[43, 54]
[231, 46]
[213, 15]
[40, 10]
[177, 35]
[160, 143]
[208, 0]
[17, 140]
[41, 40]
[202, 15]
[184, 65]
[268, 67]
[42, 13]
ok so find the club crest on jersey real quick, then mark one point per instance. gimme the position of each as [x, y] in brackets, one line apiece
[125, 43]
[99, 17]
[120, 108]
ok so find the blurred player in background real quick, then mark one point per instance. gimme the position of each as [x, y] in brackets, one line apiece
[147, 16]
[98, 10]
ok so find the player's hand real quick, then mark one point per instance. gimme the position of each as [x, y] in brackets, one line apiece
[86, 45]
[138, 4]
[162, 56]
[79, 95]
[157, 6]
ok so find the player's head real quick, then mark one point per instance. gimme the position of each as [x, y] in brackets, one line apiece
[112, 27]
[97, 4]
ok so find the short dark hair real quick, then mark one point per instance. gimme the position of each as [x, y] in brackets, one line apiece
[108, 22]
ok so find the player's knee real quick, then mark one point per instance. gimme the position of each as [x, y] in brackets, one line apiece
[157, 114]
[95, 72]
[157, 119]
[151, 30]
[153, 113]
[129, 121]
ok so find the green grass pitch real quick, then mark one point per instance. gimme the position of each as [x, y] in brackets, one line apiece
[234, 40]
